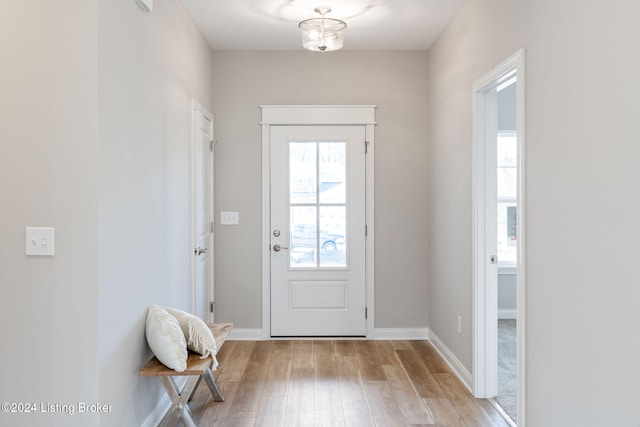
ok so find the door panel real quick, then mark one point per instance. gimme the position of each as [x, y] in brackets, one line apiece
[318, 231]
[203, 214]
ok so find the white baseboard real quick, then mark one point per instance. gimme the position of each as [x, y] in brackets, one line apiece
[401, 334]
[498, 408]
[453, 362]
[245, 334]
[254, 334]
[508, 314]
[158, 413]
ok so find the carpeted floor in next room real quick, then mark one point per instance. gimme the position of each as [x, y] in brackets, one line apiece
[507, 367]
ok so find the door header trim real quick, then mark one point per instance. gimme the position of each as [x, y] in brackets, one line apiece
[318, 114]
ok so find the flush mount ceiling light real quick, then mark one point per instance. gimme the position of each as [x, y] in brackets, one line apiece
[145, 5]
[322, 34]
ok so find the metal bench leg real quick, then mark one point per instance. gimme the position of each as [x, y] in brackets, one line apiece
[180, 399]
[213, 386]
[195, 388]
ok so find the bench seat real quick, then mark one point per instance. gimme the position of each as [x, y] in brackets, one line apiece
[197, 369]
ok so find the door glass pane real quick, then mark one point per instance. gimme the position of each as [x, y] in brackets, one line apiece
[318, 210]
[332, 171]
[302, 172]
[333, 245]
[304, 236]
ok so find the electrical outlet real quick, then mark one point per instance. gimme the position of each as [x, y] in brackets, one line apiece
[460, 325]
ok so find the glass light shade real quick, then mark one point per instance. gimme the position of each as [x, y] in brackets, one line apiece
[322, 34]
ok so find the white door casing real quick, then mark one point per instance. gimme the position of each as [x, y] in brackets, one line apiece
[286, 115]
[484, 232]
[486, 267]
[202, 296]
[318, 231]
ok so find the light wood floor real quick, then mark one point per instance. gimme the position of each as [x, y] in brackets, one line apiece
[338, 383]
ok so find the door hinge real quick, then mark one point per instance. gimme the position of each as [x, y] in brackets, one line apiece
[366, 313]
[366, 230]
[211, 307]
[211, 143]
[211, 227]
[366, 147]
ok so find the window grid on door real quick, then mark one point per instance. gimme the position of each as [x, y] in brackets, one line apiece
[317, 204]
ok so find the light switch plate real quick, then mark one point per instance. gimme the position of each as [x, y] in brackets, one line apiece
[39, 241]
[229, 218]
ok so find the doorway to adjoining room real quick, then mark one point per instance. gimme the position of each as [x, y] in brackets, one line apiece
[499, 237]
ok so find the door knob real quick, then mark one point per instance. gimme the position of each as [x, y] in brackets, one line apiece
[200, 251]
[277, 247]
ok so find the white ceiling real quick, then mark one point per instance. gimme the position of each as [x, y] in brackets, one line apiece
[273, 24]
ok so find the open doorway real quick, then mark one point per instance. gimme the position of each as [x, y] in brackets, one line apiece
[498, 363]
[507, 250]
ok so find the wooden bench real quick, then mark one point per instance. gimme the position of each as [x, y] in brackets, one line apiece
[196, 369]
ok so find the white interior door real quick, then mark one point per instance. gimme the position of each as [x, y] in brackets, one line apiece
[202, 274]
[318, 231]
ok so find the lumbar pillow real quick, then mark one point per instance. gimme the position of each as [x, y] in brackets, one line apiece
[166, 339]
[197, 333]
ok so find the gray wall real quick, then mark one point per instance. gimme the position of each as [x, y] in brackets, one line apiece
[581, 181]
[150, 68]
[396, 82]
[48, 144]
[94, 140]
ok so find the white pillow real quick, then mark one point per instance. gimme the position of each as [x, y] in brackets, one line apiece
[199, 336]
[165, 338]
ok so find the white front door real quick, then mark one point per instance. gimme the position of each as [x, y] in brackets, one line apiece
[202, 187]
[318, 231]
